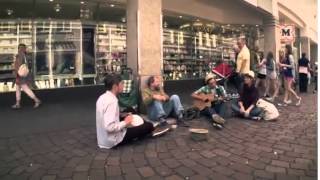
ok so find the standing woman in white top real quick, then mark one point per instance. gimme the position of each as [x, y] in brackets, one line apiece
[271, 77]
[262, 73]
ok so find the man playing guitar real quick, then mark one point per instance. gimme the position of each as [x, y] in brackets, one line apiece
[209, 99]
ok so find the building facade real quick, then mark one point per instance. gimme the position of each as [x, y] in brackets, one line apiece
[74, 43]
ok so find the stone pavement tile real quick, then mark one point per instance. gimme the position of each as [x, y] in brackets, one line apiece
[184, 171]
[222, 160]
[312, 173]
[188, 162]
[18, 170]
[221, 152]
[204, 171]
[133, 176]
[275, 169]
[173, 177]
[113, 161]
[281, 176]
[113, 171]
[241, 176]
[128, 168]
[198, 177]
[280, 163]
[163, 171]
[171, 163]
[65, 173]
[302, 166]
[37, 174]
[241, 168]
[296, 172]
[217, 176]
[146, 172]
[82, 168]
[154, 162]
[73, 162]
[165, 155]
[206, 162]
[80, 176]
[223, 170]
[257, 164]
[97, 174]
[49, 177]
[263, 174]
[98, 164]
[307, 178]
[237, 159]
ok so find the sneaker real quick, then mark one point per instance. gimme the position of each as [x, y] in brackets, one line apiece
[270, 99]
[299, 102]
[160, 131]
[256, 118]
[217, 126]
[163, 122]
[218, 119]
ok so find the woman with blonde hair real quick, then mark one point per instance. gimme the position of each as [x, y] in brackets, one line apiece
[288, 70]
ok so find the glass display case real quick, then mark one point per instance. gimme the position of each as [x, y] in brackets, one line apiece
[12, 33]
[191, 55]
[110, 49]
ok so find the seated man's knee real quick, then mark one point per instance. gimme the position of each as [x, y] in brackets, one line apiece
[174, 97]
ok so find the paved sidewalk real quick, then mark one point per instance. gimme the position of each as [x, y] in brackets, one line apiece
[285, 149]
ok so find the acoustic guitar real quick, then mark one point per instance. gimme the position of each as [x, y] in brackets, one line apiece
[201, 105]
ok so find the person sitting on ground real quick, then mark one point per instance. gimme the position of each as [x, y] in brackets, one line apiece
[246, 106]
[159, 104]
[111, 131]
[217, 106]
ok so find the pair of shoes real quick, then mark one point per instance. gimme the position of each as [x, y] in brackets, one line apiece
[159, 131]
[218, 119]
[256, 118]
[217, 126]
[37, 104]
[298, 102]
[16, 106]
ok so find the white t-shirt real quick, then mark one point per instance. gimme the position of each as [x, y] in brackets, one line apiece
[263, 68]
[110, 131]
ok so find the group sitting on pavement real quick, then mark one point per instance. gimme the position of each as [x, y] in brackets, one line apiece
[114, 128]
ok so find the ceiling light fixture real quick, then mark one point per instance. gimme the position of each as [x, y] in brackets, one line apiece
[57, 7]
[51, 0]
[111, 5]
[82, 2]
[9, 12]
[180, 16]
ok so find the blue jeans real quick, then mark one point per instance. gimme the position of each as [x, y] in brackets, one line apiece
[218, 108]
[253, 113]
[158, 109]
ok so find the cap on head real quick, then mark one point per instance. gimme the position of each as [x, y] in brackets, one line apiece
[250, 74]
[209, 77]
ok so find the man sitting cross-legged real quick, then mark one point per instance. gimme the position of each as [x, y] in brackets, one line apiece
[159, 104]
[209, 99]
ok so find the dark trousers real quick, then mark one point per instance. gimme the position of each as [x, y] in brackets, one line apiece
[214, 109]
[253, 113]
[303, 82]
[137, 132]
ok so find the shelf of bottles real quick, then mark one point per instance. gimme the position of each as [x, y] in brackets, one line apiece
[110, 49]
[192, 55]
[12, 33]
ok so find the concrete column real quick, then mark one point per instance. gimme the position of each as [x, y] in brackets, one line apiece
[144, 37]
[271, 37]
[144, 40]
[305, 46]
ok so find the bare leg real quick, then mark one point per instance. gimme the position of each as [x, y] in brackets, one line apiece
[30, 93]
[18, 95]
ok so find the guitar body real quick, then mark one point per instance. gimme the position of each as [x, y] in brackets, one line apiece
[201, 105]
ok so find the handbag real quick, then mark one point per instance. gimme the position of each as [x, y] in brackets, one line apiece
[23, 70]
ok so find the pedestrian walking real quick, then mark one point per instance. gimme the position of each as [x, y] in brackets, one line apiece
[304, 70]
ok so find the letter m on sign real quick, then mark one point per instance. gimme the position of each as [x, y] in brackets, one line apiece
[287, 33]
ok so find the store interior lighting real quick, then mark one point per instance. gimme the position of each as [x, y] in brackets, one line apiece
[9, 12]
[57, 8]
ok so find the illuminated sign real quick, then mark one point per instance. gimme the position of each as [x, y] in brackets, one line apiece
[287, 33]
